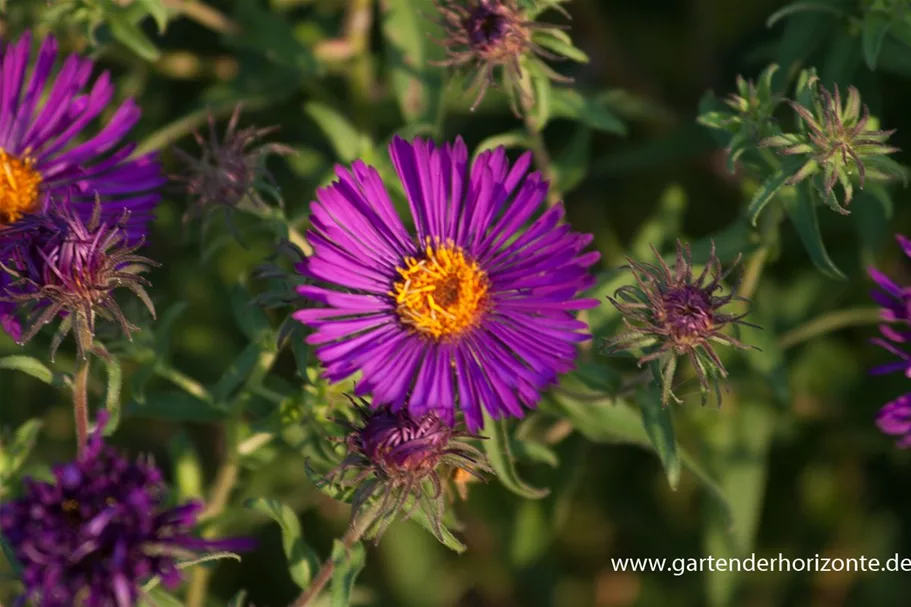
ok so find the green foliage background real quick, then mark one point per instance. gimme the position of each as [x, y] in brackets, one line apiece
[794, 451]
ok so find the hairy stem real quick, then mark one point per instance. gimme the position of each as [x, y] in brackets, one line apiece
[832, 321]
[81, 403]
[539, 150]
[355, 532]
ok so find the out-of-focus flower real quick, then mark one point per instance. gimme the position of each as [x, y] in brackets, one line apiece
[895, 417]
[41, 119]
[837, 143]
[472, 312]
[670, 313]
[67, 268]
[398, 458]
[99, 530]
[488, 35]
[229, 171]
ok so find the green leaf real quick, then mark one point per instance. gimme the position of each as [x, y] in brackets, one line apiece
[766, 357]
[571, 167]
[801, 209]
[510, 139]
[188, 473]
[659, 426]
[112, 394]
[302, 561]
[800, 7]
[236, 374]
[157, 10]
[29, 366]
[569, 103]
[603, 421]
[408, 51]
[447, 539]
[765, 193]
[131, 36]
[500, 457]
[559, 42]
[740, 458]
[14, 457]
[249, 317]
[876, 26]
[238, 600]
[269, 34]
[872, 211]
[159, 597]
[348, 564]
[176, 406]
[344, 137]
[10, 557]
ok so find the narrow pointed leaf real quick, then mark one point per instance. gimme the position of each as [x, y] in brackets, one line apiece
[501, 459]
[348, 564]
[659, 426]
[801, 209]
[876, 26]
[302, 561]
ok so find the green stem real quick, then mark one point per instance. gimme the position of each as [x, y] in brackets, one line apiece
[831, 321]
[184, 382]
[205, 15]
[226, 477]
[181, 127]
[539, 150]
[355, 532]
[81, 402]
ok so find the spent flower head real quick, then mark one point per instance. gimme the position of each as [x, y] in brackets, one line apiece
[401, 458]
[895, 417]
[669, 313]
[231, 170]
[62, 266]
[838, 143]
[492, 35]
[100, 529]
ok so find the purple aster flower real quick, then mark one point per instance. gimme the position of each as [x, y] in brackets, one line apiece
[41, 118]
[895, 417]
[670, 313]
[67, 268]
[399, 457]
[491, 34]
[99, 530]
[473, 311]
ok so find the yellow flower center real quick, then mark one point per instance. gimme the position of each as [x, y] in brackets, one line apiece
[442, 294]
[19, 183]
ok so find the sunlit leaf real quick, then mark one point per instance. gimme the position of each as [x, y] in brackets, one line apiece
[501, 459]
[348, 564]
[302, 561]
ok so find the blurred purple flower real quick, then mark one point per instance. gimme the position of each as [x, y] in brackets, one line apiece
[895, 417]
[472, 312]
[99, 530]
[70, 269]
[41, 118]
[396, 455]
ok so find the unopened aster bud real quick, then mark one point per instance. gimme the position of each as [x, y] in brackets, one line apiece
[670, 313]
[838, 144]
[488, 35]
[99, 530]
[62, 266]
[398, 457]
[229, 171]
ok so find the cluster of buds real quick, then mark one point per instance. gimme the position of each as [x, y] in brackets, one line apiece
[64, 267]
[837, 143]
[498, 35]
[670, 313]
[750, 117]
[100, 530]
[399, 459]
[230, 171]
